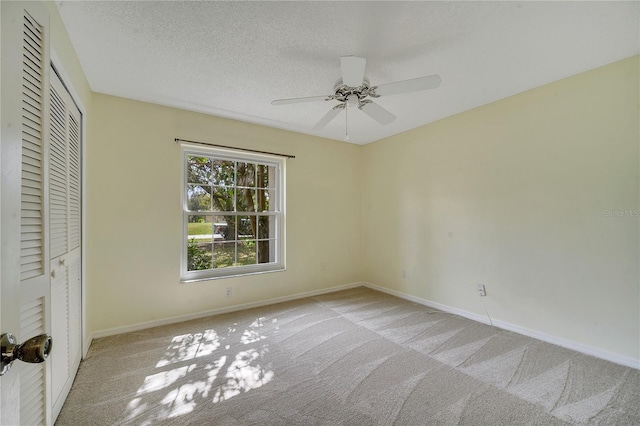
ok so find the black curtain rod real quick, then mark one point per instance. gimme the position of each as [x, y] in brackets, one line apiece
[178, 140]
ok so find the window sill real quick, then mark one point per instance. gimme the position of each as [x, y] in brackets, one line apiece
[194, 279]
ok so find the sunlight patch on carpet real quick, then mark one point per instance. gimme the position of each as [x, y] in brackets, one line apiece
[190, 346]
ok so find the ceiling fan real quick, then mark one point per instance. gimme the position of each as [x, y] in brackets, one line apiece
[354, 89]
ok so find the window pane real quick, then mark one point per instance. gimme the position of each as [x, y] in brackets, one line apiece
[246, 200]
[199, 242]
[223, 173]
[199, 227]
[247, 252]
[231, 227]
[262, 199]
[199, 170]
[198, 255]
[266, 251]
[198, 198]
[221, 228]
[223, 199]
[266, 227]
[266, 176]
[224, 254]
[246, 227]
[246, 174]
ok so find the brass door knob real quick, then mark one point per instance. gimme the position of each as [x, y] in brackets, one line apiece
[34, 350]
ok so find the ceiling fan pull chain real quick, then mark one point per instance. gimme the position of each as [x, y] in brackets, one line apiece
[346, 123]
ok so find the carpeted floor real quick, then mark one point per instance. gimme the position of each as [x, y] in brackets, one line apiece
[354, 357]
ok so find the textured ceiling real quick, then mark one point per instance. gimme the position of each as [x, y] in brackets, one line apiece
[231, 59]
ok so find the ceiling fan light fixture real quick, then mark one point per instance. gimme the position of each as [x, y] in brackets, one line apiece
[353, 100]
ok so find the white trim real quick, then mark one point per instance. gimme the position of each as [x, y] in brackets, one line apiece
[67, 81]
[554, 340]
[239, 274]
[181, 318]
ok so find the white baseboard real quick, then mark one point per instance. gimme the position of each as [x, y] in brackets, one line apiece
[559, 341]
[475, 317]
[86, 344]
[172, 320]
[570, 344]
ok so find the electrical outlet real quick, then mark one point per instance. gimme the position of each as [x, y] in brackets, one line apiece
[481, 290]
[323, 266]
[228, 292]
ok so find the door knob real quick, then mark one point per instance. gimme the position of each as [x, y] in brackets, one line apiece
[34, 350]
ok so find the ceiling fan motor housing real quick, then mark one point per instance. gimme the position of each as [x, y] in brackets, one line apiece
[342, 92]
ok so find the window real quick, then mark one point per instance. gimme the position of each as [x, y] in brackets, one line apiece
[232, 213]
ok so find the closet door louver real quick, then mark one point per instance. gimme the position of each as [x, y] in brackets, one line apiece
[32, 205]
[75, 314]
[64, 175]
[59, 329]
[74, 183]
[58, 150]
[32, 380]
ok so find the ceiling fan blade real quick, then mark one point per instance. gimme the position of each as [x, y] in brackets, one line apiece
[378, 113]
[328, 117]
[352, 70]
[412, 85]
[299, 100]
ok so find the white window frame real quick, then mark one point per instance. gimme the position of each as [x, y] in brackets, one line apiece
[278, 204]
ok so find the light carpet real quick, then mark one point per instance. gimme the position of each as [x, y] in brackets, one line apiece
[354, 357]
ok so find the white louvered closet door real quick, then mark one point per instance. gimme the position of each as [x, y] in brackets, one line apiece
[34, 279]
[24, 251]
[64, 232]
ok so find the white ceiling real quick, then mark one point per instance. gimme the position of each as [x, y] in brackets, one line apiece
[231, 59]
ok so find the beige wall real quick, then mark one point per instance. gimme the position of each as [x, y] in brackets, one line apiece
[515, 195]
[134, 214]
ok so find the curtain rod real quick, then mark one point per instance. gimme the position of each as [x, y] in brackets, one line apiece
[178, 140]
